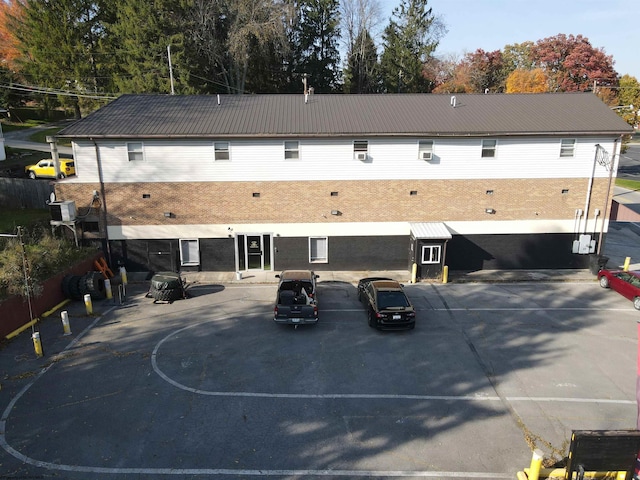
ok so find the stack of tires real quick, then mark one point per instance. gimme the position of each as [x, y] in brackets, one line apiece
[76, 287]
[166, 287]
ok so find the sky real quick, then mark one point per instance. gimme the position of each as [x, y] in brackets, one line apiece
[611, 25]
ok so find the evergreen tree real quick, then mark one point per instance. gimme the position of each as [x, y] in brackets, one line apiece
[362, 72]
[139, 36]
[410, 39]
[316, 44]
[59, 45]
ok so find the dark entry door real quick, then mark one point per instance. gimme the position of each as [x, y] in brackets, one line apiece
[254, 252]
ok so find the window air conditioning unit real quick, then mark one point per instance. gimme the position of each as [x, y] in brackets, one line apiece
[426, 155]
[362, 156]
[63, 211]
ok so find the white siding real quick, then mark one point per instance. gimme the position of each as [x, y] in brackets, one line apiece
[332, 159]
[120, 232]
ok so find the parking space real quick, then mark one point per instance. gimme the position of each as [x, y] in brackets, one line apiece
[210, 387]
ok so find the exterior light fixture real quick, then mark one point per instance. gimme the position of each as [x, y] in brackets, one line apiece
[490, 211]
[168, 214]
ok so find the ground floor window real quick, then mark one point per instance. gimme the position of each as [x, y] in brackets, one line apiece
[189, 252]
[431, 253]
[318, 250]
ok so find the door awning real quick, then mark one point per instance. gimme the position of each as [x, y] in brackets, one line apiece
[430, 231]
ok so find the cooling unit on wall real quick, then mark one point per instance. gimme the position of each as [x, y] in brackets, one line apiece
[63, 211]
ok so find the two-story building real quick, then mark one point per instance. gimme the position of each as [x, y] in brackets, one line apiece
[346, 182]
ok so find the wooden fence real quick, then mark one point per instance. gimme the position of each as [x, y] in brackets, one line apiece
[24, 192]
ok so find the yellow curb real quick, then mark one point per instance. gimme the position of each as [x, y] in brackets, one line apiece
[18, 331]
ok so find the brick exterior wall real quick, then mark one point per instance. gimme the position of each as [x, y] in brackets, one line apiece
[358, 200]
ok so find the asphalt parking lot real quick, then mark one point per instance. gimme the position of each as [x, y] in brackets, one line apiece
[210, 387]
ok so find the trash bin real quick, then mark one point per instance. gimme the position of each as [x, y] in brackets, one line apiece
[597, 263]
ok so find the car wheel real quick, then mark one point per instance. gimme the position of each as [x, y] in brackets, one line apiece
[604, 282]
[636, 303]
[32, 175]
[371, 319]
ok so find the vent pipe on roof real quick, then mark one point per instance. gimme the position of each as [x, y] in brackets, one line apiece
[218, 99]
[453, 101]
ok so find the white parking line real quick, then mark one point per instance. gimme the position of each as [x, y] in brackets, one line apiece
[362, 396]
[265, 472]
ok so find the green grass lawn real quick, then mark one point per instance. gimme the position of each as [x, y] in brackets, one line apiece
[10, 218]
[628, 184]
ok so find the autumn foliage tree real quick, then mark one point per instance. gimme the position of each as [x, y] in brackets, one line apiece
[485, 70]
[526, 81]
[572, 64]
[10, 11]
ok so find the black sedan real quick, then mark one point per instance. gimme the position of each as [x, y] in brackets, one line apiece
[388, 307]
[626, 284]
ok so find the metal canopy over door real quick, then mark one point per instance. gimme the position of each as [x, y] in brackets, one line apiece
[253, 251]
[427, 248]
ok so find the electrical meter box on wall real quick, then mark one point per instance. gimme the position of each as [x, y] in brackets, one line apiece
[63, 211]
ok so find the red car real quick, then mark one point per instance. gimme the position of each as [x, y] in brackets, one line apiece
[626, 284]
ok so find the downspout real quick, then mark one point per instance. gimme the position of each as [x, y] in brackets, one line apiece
[104, 203]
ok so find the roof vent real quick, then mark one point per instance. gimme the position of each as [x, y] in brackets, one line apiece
[218, 99]
[453, 101]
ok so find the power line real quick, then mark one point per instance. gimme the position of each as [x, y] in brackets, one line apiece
[52, 91]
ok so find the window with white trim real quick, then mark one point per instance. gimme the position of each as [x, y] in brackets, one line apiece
[431, 253]
[567, 147]
[221, 150]
[135, 151]
[318, 250]
[291, 150]
[189, 252]
[360, 149]
[489, 148]
[425, 149]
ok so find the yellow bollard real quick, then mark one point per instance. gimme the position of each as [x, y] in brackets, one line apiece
[414, 272]
[123, 275]
[536, 463]
[65, 323]
[445, 274]
[37, 344]
[627, 261]
[107, 289]
[88, 304]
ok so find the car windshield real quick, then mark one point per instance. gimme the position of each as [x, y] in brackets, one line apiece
[387, 300]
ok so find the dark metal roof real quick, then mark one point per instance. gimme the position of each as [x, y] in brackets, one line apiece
[147, 116]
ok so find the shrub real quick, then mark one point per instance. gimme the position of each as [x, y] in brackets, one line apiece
[46, 256]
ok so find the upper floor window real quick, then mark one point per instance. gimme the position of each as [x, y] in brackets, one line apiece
[567, 147]
[135, 151]
[489, 148]
[221, 150]
[291, 150]
[425, 149]
[360, 149]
